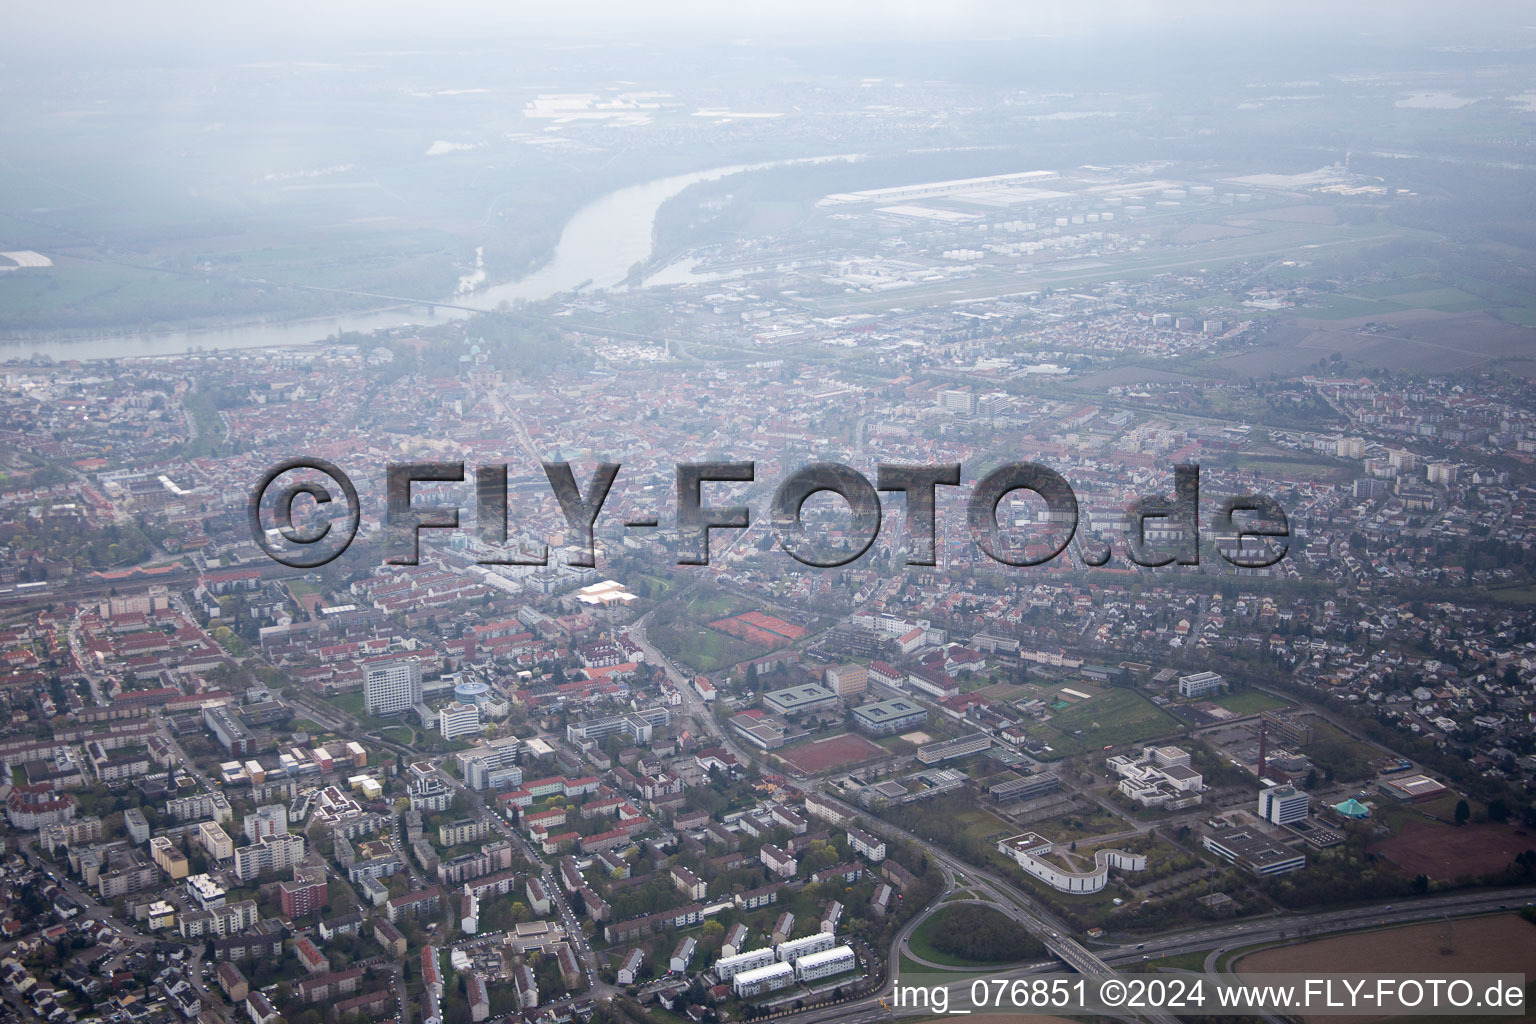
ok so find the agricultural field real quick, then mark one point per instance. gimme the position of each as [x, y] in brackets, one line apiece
[1498, 944]
[1446, 851]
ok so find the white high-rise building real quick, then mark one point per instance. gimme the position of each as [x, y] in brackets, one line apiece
[269, 820]
[271, 853]
[392, 688]
[456, 719]
[1282, 805]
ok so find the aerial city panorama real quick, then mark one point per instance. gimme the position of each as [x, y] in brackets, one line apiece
[838, 512]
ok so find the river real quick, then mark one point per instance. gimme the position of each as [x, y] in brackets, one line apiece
[597, 248]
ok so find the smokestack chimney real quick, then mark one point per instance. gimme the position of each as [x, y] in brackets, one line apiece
[1263, 751]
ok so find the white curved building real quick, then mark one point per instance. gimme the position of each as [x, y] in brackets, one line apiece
[1029, 848]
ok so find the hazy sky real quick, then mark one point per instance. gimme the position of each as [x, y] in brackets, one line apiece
[171, 26]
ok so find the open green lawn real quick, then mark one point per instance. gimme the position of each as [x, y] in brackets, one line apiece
[659, 586]
[910, 971]
[1113, 718]
[1225, 961]
[983, 824]
[351, 703]
[956, 825]
[688, 637]
[1081, 822]
[1338, 753]
[920, 946]
[1513, 595]
[1395, 297]
[1250, 702]
[714, 606]
[657, 1015]
[1004, 691]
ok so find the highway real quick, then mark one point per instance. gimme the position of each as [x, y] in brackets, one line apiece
[1021, 908]
[1274, 928]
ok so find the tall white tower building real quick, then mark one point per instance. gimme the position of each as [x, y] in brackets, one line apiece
[392, 688]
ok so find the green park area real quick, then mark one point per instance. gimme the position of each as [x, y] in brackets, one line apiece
[967, 935]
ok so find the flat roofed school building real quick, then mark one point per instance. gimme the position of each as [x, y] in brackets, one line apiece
[934, 753]
[794, 699]
[885, 717]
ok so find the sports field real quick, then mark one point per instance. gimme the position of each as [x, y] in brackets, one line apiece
[760, 629]
[819, 756]
[1249, 702]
